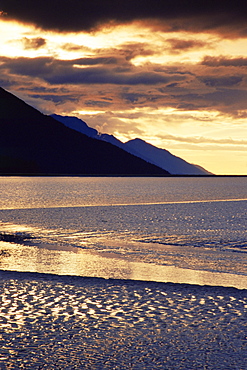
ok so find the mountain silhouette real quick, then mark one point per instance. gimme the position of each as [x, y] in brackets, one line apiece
[140, 148]
[163, 158]
[32, 143]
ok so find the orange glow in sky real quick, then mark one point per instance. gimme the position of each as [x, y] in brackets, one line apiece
[183, 90]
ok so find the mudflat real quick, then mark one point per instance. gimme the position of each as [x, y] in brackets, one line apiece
[67, 322]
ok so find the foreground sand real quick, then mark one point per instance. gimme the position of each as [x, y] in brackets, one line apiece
[55, 322]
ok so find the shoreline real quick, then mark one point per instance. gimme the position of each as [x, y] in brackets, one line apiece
[101, 281]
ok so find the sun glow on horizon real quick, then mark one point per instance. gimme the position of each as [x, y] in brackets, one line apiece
[181, 91]
[71, 45]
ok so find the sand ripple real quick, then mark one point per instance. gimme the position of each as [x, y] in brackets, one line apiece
[52, 322]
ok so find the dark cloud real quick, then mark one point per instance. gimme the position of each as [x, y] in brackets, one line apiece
[77, 15]
[222, 81]
[32, 67]
[224, 62]
[46, 90]
[141, 98]
[97, 103]
[131, 50]
[172, 85]
[107, 99]
[6, 82]
[111, 76]
[133, 98]
[230, 101]
[33, 43]
[93, 71]
[104, 76]
[57, 99]
[229, 97]
[95, 61]
[179, 46]
[173, 70]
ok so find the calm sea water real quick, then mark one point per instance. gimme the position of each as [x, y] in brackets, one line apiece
[163, 229]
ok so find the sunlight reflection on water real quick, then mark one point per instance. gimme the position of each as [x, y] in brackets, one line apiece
[178, 229]
[73, 261]
[41, 192]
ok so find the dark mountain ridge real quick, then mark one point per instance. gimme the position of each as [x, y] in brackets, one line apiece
[139, 148]
[33, 143]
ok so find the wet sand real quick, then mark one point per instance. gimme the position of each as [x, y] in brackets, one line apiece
[67, 322]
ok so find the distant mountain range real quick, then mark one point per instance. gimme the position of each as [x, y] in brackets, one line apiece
[159, 157]
[32, 143]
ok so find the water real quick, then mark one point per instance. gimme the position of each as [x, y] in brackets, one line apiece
[144, 232]
[190, 230]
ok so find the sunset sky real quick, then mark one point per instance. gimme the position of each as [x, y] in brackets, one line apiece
[170, 72]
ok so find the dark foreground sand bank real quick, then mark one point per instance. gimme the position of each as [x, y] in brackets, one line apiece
[63, 322]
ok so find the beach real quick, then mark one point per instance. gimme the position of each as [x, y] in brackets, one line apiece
[96, 274]
[67, 322]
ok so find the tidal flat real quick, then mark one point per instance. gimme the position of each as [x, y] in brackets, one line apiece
[67, 322]
[123, 273]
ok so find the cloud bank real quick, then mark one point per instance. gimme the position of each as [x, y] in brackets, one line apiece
[171, 72]
[77, 15]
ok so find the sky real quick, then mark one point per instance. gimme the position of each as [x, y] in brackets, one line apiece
[172, 73]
